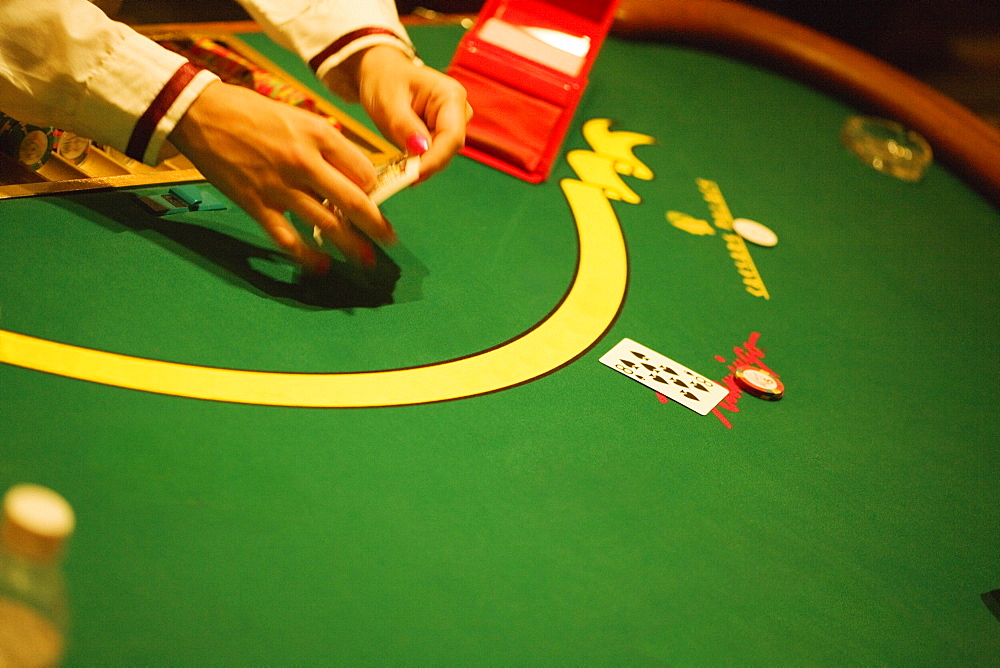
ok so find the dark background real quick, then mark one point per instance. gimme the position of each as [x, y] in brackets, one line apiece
[953, 45]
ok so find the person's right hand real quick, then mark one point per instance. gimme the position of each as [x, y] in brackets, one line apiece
[269, 158]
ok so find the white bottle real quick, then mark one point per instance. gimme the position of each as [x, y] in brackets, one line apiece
[33, 612]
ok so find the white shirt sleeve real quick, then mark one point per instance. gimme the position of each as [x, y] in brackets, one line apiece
[324, 33]
[64, 63]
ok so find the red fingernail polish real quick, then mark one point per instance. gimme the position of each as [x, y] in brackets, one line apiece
[417, 144]
[322, 265]
[390, 232]
[368, 255]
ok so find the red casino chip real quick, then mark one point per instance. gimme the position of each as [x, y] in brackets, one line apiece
[759, 383]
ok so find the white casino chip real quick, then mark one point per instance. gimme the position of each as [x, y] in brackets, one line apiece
[754, 232]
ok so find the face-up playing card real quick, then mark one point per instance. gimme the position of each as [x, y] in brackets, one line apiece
[669, 378]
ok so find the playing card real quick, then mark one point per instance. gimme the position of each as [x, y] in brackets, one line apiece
[395, 175]
[552, 48]
[668, 377]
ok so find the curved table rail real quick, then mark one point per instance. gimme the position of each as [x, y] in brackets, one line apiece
[959, 138]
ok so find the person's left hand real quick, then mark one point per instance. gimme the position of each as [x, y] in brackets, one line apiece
[407, 101]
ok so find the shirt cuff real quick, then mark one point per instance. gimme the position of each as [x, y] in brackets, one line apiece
[326, 63]
[136, 94]
[156, 124]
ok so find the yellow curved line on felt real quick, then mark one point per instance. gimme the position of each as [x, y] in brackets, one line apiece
[586, 312]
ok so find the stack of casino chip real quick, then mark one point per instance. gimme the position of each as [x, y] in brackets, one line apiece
[759, 383]
[72, 147]
[28, 144]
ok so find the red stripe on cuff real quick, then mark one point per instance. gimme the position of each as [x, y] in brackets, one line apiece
[339, 44]
[146, 125]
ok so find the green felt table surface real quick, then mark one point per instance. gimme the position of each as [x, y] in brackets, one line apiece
[574, 519]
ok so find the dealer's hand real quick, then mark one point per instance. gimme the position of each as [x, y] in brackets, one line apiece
[415, 107]
[270, 158]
